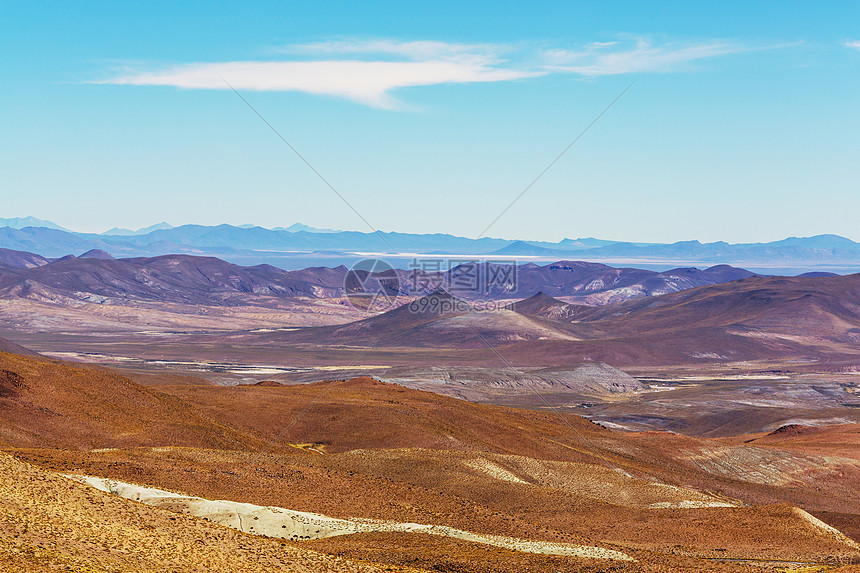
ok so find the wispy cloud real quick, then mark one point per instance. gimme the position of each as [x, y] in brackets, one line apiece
[853, 44]
[369, 83]
[359, 74]
[416, 50]
[369, 71]
[611, 58]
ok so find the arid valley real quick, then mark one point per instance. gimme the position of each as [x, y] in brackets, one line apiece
[429, 287]
[713, 427]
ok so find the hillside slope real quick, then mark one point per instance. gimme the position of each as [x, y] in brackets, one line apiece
[50, 404]
[369, 450]
[9, 346]
[50, 523]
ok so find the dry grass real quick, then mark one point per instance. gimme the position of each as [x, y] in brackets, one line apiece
[413, 457]
[48, 522]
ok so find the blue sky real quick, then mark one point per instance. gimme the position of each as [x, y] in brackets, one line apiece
[742, 124]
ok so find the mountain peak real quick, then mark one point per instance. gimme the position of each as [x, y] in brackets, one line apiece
[541, 296]
[96, 254]
[538, 304]
[117, 231]
[23, 222]
[298, 227]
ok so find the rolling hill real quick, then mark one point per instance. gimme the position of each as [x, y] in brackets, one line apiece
[180, 279]
[55, 405]
[21, 259]
[208, 280]
[436, 320]
[187, 292]
[824, 308]
[380, 453]
[750, 319]
[597, 284]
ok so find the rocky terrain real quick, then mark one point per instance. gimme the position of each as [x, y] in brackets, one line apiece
[485, 487]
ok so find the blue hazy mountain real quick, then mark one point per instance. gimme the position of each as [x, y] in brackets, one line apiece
[127, 232]
[584, 243]
[524, 248]
[817, 248]
[296, 227]
[21, 222]
[49, 242]
[818, 242]
[281, 246]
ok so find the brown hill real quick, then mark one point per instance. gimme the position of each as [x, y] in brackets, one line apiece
[372, 450]
[824, 306]
[841, 439]
[753, 302]
[365, 413]
[544, 306]
[50, 404]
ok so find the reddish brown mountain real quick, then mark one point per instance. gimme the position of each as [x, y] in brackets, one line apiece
[49, 404]
[368, 449]
[364, 413]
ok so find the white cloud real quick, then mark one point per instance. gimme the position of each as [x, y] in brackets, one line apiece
[369, 71]
[365, 77]
[369, 83]
[601, 59]
[853, 44]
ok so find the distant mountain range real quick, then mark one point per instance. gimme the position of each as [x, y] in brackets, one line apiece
[299, 246]
[96, 276]
[116, 231]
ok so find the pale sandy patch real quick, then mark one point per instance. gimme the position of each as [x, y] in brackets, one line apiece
[298, 525]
